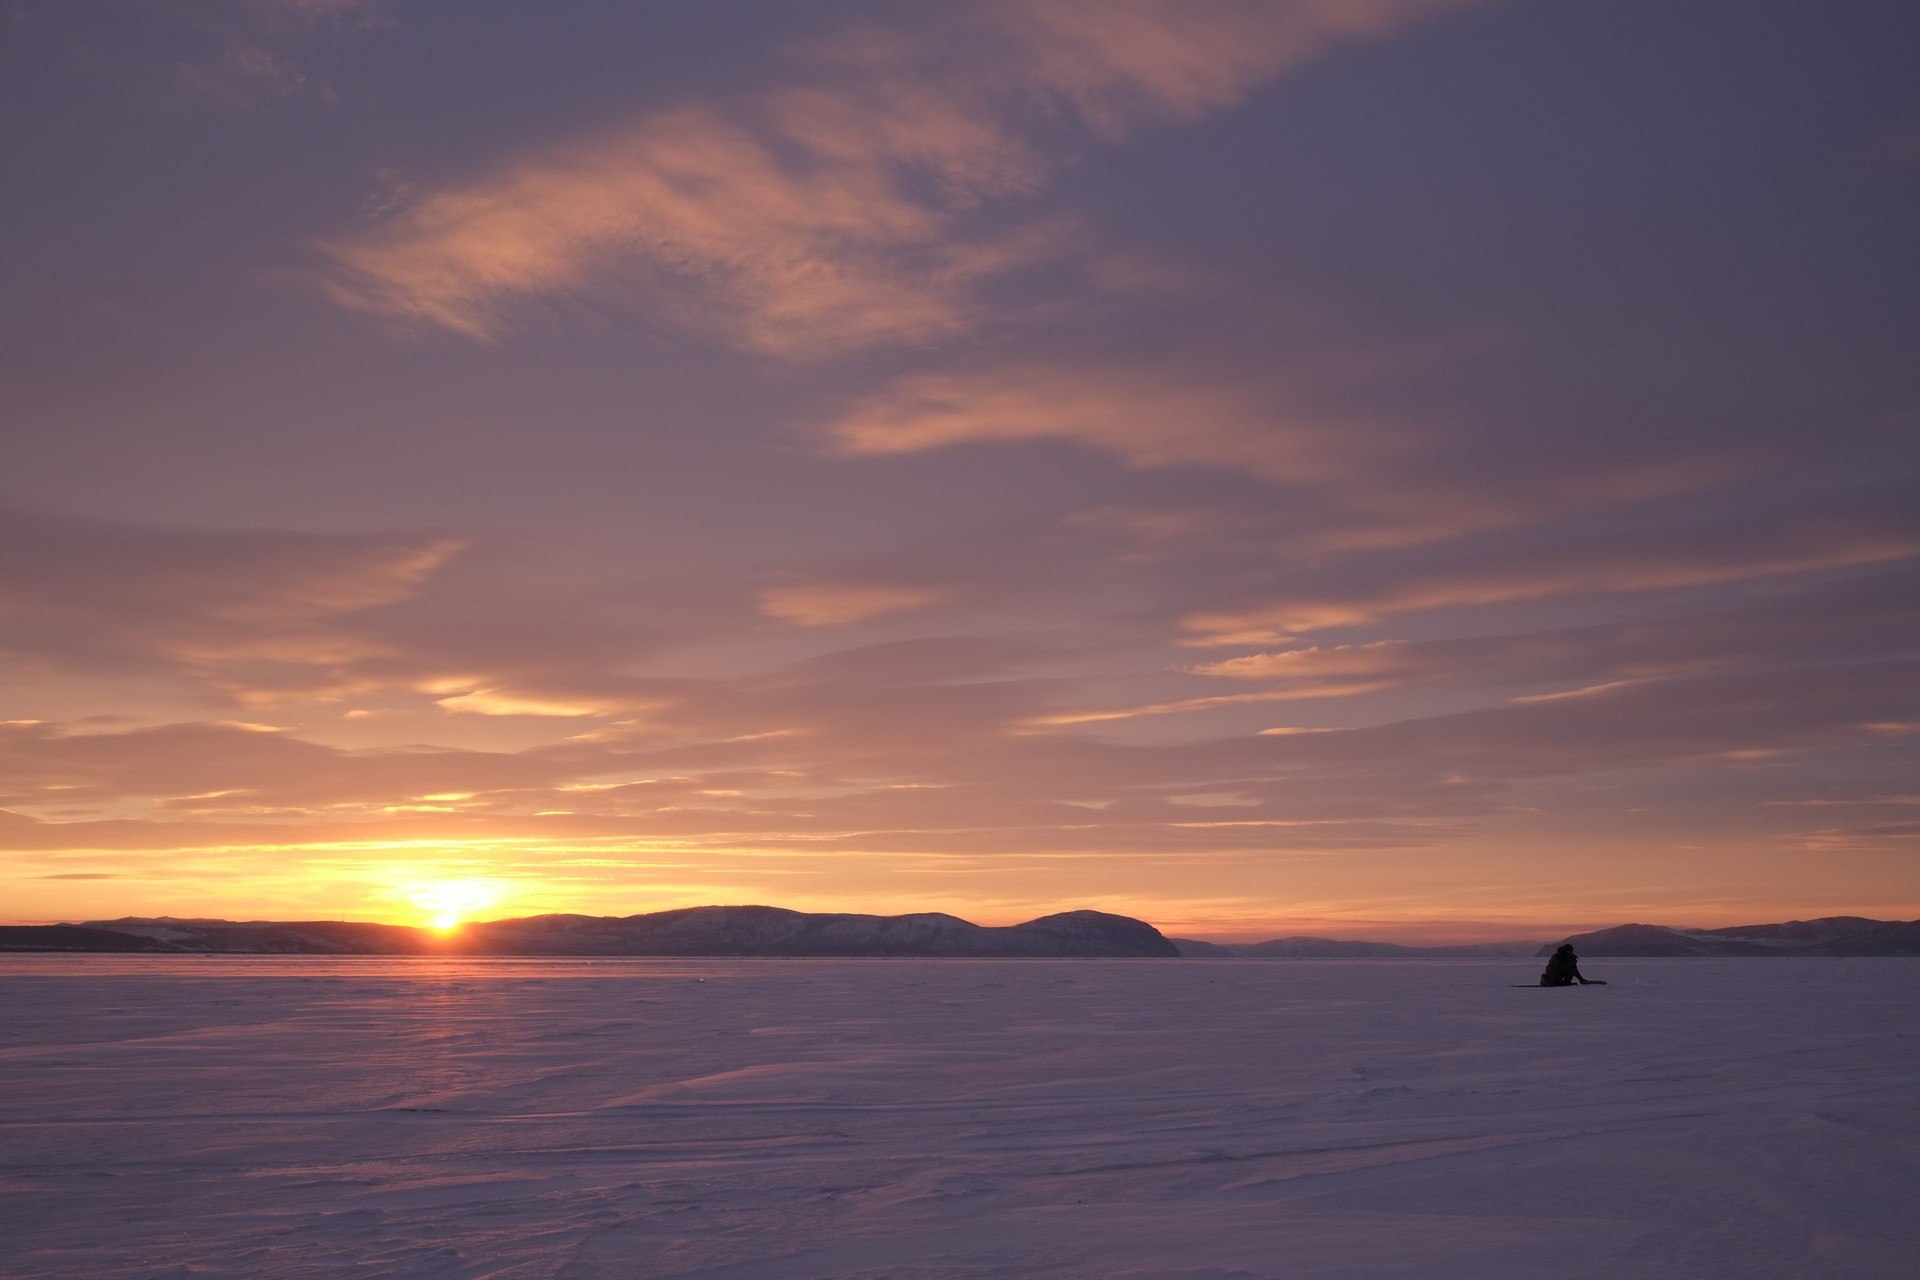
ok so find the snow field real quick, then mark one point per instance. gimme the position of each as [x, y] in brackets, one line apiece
[923, 1119]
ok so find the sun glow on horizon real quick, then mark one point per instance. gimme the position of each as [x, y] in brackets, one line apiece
[448, 903]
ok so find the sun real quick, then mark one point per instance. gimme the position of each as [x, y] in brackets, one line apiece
[448, 902]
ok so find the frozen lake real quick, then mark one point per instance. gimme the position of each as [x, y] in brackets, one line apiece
[805, 1120]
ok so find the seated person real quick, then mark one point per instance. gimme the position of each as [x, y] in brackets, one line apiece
[1563, 970]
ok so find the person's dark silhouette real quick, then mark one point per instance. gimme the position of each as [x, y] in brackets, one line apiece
[1563, 969]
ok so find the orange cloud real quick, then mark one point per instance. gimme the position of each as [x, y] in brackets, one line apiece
[1356, 659]
[1329, 689]
[505, 702]
[838, 604]
[1148, 420]
[800, 222]
[694, 207]
[1123, 62]
[92, 594]
[1604, 568]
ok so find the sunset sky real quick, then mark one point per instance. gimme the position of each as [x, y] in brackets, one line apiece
[1419, 469]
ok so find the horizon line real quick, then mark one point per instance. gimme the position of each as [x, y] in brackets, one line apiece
[1237, 938]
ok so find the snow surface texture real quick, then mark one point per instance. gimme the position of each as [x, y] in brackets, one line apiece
[798, 1120]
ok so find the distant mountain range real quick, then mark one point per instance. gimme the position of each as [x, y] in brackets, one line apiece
[691, 931]
[774, 931]
[1832, 936]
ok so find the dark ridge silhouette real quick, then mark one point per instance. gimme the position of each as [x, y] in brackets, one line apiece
[72, 937]
[1832, 936]
[1196, 949]
[776, 931]
[1799, 931]
[689, 931]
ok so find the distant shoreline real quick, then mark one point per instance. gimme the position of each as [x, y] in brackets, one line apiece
[761, 932]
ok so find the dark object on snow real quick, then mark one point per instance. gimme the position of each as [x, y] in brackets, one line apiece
[1563, 970]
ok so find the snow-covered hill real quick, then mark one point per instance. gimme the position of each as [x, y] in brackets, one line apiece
[775, 931]
[690, 931]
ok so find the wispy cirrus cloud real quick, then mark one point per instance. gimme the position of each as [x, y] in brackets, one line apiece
[1882, 838]
[260, 54]
[1858, 530]
[1212, 702]
[878, 766]
[831, 604]
[272, 618]
[1281, 411]
[698, 213]
[1148, 419]
[243, 75]
[832, 212]
[935, 767]
[90, 594]
[1821, 621]
[239, 768]
[1848, 620]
